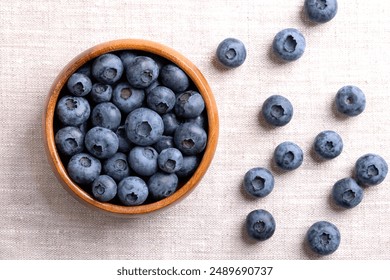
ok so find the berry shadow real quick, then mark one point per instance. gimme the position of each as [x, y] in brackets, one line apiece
[264, 124]
[305, 19]
[218, 65]
[308, 252]
[245, 195]
[276, 170]
[339, 116]
[316, 157]
[275, 59]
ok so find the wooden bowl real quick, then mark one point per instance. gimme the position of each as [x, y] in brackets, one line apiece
[135, 45]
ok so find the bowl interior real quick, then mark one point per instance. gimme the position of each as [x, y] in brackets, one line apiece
[155, 49]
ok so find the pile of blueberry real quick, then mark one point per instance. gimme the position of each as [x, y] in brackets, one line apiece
[289, 44]
[130, 127]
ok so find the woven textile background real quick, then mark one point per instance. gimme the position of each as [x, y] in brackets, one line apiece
[40, 220]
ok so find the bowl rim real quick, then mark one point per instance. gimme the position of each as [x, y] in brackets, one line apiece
[137, 45]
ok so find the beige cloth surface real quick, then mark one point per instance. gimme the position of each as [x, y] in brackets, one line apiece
[40, 220]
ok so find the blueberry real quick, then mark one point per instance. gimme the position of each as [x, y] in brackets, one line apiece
[347, 193]
[106, 115]
[200, 120]
[371, 169]
[164, 143]
[86, 69]
[143, 160]
[83, 168]
[116, 167]
[277, 110]
[259, 182]
[125, 144]
[83, 127]
[152, 86]
[104, 188]
[73, 110]
[161, 99]
[328, 144]
[174, 78]
[231, 52]
[126, 57]
[190, 139]
[127, 98]
[288, 156]
[190, 163]
[321, 11]
[101, 92]
[144, 127]
[132, 190]
[69, 140]
[323, 238]
[170, 160]
[107, 68]
[189, 104]
[289, 44]
[162, 185]
[79, 84]
[260, 224]
[350, 100]
[141, 71]
[101, 142]
[170, 123]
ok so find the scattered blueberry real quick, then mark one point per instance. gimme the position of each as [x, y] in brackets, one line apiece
[106, 115]
[350, 101]
[170, 160]
[116, 167]
[189, 104]
[127, 98]
[371, 169]
[328, 144]
[141, 72]
[259, 182]
[101, 142]
[107, 68]
[161, 99]
[347, 193]
[69, 140]
[231, 52]
[323, 238]
[83, 168]
[277, 110]
[190, 163]
[174, 78]
[101, 93]
[132, 190]
[143, 160]
[144, 127]
[289, 44]
[104, 188]
[79, 84]
[288, 156]
[321, 11]
[73, 110]
[162, 185]
[260, 224]
[190, 139]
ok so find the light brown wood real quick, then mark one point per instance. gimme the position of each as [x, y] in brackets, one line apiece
[142, 45]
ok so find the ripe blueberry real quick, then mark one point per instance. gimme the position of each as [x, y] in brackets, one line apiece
[260, 224]
[347, 193]
[323, 238]
[231, 52]
[258, 182]
[321, 11]
[104, 188]
[132, 190]
[328, 144]
[288, 156]
[277, 110]
[350, 101]
[289, 44]
[83, 168]
[371, 169]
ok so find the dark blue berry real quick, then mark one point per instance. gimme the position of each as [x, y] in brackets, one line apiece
[83, 168]
[190, 139]
[174, 78]
[132, 190]
[288, 156]
[143, 160]
[259, 182]
[170, 123]
[106, 115]
[144, 127]
[127, 98]
[141, 72]
[328, 144]
[101, 142]
[79, 84]
[164, 143]
[323, 238]
[200, 120]
[107, 68]
[260, 224]
[126, 57]
[170, 160]
[347, 193]
[371, 169]
[277, 110]
[231, 52]
[104, 188]
[189, 104]
[101, 92]
[117, 167]
[190, 163]
[321, 11]
[161, 99]
[350, 101]
[125, 144]
[73, 110]
[162, 185]
[69, 140]
[289, 44]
